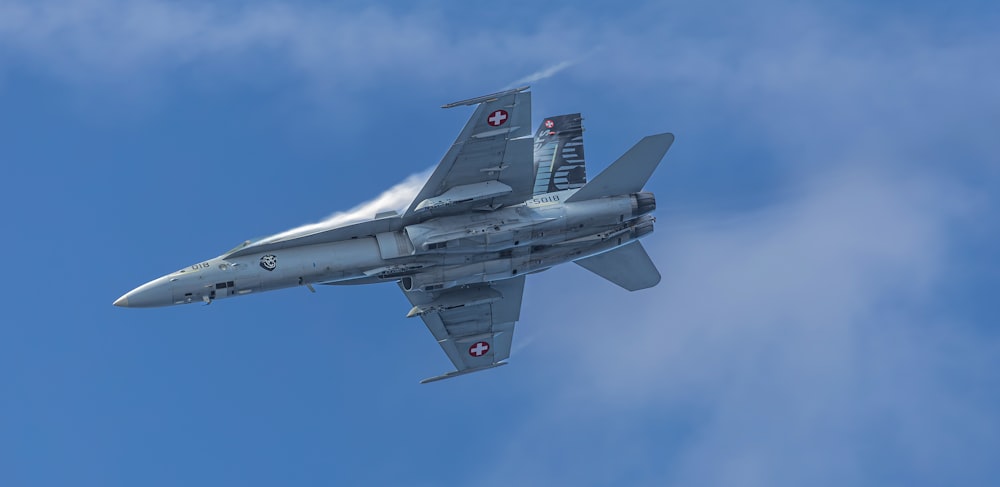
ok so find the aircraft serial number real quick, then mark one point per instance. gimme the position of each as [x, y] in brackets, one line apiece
[546, 199]
[203, 265]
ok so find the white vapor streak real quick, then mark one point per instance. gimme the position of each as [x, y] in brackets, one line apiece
[395, 198]
[543, 74]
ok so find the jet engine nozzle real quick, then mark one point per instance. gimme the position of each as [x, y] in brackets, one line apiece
[645, 202]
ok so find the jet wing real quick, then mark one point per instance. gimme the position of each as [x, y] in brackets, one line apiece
[473, 324]
[490, 165]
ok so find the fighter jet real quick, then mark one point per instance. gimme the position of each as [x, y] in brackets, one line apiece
[502, 204]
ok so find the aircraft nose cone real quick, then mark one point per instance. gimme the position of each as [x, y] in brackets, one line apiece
[152, 294]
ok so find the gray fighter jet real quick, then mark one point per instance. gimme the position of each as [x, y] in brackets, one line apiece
[502, 204]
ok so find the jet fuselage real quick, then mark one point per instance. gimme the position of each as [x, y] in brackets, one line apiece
[431, 255]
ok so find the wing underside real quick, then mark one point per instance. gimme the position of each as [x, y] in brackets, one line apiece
[490, 164]
[473, 324]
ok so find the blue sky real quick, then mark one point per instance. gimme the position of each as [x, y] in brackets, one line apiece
[826, 232]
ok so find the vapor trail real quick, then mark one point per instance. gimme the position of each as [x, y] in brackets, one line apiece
[543, 74]
[396, 198]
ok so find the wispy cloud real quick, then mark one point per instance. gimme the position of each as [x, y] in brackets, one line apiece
[793, 71]
[802, 343]
[801, 333]
[104, 41]
[792, 347]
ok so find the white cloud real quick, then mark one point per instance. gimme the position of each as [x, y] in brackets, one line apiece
[104, 40]
[804, 77]
[812, 81]
[793, 344]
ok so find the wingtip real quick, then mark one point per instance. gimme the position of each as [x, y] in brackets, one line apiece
[480, 99]
[667, 136]
[456, 373]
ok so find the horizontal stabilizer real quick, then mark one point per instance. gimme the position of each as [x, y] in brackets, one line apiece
[630, 172]
[628, 266]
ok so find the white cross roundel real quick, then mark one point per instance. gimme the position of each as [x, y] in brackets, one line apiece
[497, 118]
[549, 124]
[479, 349]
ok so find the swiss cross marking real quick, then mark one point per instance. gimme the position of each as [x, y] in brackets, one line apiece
[497, 118]
[479, 349]
[549, 124]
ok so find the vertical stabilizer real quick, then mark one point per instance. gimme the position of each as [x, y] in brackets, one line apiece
[559, 162]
